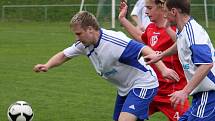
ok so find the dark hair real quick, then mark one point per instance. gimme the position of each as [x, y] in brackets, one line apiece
[183, 5]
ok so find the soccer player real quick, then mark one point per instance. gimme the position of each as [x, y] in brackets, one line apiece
[115, 58]
[156, 36]
[196, 54]
[138, 15]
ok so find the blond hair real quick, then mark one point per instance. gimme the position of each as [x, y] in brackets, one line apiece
[85, 19]
[159, 3]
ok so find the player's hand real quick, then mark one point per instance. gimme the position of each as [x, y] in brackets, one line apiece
[123, 9]
[152, 58]
[170, 74]
[40, 68]
[178, 97]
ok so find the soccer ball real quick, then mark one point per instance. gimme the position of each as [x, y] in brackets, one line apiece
[20, 111]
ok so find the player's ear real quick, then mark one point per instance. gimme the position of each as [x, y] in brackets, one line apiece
[174, 11]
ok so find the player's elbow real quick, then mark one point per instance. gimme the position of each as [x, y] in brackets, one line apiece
[211, 65]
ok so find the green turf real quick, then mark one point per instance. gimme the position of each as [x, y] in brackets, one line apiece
[72, 92]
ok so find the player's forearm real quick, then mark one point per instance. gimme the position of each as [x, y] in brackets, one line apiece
[56, 60]
[170, 51]
[132, 30]
[160, 65]
[199, 75]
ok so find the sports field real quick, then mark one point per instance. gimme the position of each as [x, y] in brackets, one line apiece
[72, 92]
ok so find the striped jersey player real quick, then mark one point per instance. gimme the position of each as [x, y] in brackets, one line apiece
[115, 57]
[196, 54]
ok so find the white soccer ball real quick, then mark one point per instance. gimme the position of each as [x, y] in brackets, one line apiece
[20, 111]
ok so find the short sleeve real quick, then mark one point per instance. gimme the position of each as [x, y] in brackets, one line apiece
[74, 50]
[201, 54]
[131, 52]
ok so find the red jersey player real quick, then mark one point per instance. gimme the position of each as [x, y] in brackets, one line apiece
[159, 36]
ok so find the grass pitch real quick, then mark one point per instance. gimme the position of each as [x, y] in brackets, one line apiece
[72, 92]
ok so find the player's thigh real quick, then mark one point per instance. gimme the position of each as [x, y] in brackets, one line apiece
[203, 107]
[171, 113]
[188, 116]
[137, 102]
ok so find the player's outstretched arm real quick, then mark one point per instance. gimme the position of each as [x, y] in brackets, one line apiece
[132, 30]
[165, 71]
[54, 61]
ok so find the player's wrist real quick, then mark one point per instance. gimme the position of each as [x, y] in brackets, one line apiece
[186, 91]
[160, 54]
[121, 18]
[47, 66]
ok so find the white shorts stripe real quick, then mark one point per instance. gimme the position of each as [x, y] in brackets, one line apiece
[142, 93]
[201, 108]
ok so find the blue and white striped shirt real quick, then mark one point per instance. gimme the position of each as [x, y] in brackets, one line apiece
[195, 48]
[116, 58]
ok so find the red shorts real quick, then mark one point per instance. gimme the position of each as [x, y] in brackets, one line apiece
[163, 104]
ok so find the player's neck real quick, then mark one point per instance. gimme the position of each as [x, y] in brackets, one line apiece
[96, 36]
[161, 23]
[181, 21]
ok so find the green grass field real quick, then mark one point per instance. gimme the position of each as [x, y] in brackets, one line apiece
[72, 92]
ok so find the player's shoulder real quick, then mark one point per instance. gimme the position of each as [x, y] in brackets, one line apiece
[192, 25]
[79, 45]
[151, 26]
[109, 31]
[111, 34]
[193, 28]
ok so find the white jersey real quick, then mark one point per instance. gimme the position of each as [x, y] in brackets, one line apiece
[139, 10]
[115, 58]
[195, 48]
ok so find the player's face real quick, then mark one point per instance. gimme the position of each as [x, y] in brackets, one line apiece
[153, 11]
[170, 14]
[83, 35]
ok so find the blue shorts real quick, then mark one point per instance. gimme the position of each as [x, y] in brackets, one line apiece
[136, 102]
[202, 109]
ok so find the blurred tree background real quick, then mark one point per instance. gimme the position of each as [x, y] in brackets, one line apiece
[101, 8]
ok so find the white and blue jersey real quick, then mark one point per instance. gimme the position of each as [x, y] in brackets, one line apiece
[194, 49]
[116, 58]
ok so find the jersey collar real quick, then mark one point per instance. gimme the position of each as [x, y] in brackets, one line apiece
[178, 32]
[100, 36]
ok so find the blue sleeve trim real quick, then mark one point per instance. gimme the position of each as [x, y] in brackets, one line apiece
[131, 55]
[211, 76]
[201, 54]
